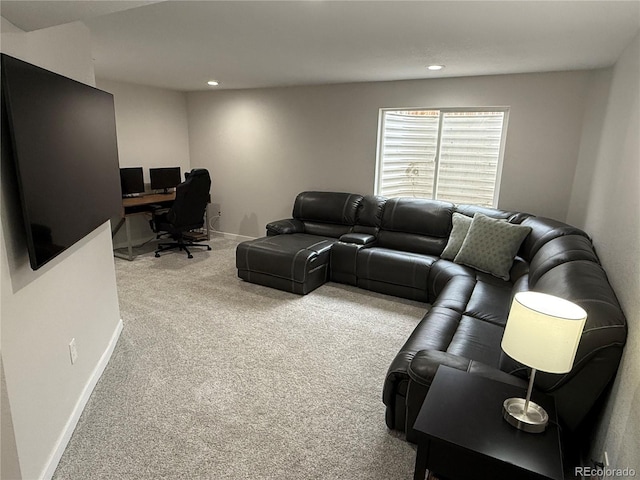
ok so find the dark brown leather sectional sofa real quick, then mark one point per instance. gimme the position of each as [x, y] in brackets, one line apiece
[393, 246]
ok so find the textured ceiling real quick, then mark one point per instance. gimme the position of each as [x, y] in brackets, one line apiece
[244, 44]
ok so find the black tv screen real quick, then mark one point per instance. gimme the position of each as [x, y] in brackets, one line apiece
[164, 178]
[63, 144]
[131, 180]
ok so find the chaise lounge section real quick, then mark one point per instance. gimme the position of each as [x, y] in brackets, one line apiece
[294, 256]
[444, 254]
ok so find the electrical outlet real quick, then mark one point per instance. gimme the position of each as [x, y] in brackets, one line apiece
[216, 209]
[73, 351]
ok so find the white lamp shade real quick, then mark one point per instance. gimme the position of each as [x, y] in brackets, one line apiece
[543, 331]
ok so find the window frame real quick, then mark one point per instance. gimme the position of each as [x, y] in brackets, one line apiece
[503, 139]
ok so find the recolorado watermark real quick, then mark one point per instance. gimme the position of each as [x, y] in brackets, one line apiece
[605, 472]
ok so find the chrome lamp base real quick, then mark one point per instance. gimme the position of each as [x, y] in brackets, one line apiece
[524, 414]
[534, 420]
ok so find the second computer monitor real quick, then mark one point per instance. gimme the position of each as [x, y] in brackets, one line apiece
[164, 178]
[131, 181]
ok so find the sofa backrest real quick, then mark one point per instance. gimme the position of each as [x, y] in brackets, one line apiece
[471, 210]
[564, 264]
[416, 225]
[329, 214]
[568, 267]
[544, 230]
[369, 216]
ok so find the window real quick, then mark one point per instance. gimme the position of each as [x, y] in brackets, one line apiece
[447, 154]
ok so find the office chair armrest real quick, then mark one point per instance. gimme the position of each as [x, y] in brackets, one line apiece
[159, 209]
[281, 227]
[158, 215]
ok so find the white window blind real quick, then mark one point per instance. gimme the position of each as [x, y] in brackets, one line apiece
[448, 155]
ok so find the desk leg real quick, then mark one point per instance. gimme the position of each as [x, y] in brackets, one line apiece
[118, 227]
[206, 224]
[128, 230]
[420, 471]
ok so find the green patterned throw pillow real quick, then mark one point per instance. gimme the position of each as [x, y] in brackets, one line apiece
[461, 224]
[491, 245]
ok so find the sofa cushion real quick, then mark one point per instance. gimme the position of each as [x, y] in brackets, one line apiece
[495, 311]
[461, 224]
[435, 331]
[466, 291]
[450, 285]
[450, 331]
[326, 229]
[394, 267]
[491, 245]
[477, 340]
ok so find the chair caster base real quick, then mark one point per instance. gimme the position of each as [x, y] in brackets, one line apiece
[183, 247]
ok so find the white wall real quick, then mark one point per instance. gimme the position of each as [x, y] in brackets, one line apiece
[73, 296]
[9, 461]
[264, 146]
[152, 132]
[606, 203]
[151, 124]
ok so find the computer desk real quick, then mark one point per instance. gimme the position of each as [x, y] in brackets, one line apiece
[136, 206]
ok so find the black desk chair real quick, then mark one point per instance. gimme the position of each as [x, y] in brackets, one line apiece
[186, 213]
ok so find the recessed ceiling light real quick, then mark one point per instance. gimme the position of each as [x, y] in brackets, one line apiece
[435, 67]
[212, 83]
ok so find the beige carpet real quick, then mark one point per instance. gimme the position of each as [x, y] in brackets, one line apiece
[216, 378]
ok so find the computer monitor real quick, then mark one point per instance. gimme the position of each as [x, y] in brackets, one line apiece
[164, 178]
[131, 181]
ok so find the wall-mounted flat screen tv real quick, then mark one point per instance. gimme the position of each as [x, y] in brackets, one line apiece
[63, 143]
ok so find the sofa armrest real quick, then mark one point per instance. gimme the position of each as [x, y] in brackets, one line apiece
[358, 238]
[281, 227]
[423, 368]
[483, 370]
[421, 371]
[425, 363]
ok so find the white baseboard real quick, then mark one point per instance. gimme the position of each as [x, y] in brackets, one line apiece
[70, 426]
[231, 236]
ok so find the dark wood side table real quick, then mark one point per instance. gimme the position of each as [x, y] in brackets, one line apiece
[462, 434]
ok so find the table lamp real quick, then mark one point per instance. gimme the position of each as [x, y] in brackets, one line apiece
[542, 332]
